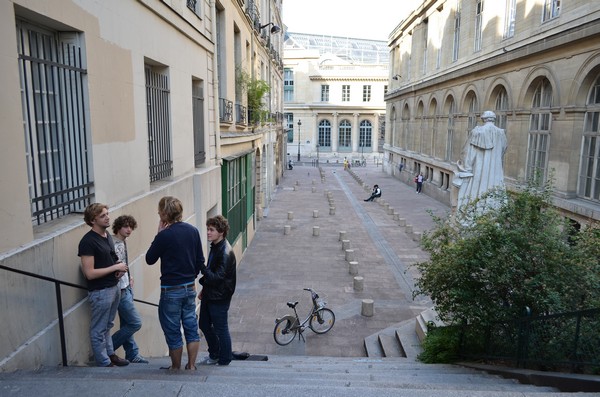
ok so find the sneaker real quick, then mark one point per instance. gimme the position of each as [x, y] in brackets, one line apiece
[118, 361]
[208, 361]
[139, 360]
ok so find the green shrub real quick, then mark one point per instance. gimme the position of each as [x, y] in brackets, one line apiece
[440, 345]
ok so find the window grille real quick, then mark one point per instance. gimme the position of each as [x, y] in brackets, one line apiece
[53, 86]
[159, 125]
[345, 93]
[365, 134]
[325, 93]
[345, 135]
[366, 93]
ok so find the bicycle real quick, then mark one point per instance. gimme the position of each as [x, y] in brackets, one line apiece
[320, 320]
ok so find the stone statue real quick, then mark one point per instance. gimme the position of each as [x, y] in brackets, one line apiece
[482, 167]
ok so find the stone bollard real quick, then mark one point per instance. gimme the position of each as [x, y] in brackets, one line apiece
[290, 215]
[316, 230]
[297, 183]
[358, 283]
[331, 210]
[349, 255]
[287, 229]
[313, 181]
[342, 235]
[402, 222]
[390, 211]
[386, 206]
[396, 216]
[417, 236]
[295, 188]
[367, 307]
[314, 189]
[353, 268]
[345, 245]
[315, 213]
[408, 229]
[326, 192]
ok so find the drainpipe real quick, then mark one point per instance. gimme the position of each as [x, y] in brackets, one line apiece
[213, 10]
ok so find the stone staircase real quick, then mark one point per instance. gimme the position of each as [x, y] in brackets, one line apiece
[280, 375]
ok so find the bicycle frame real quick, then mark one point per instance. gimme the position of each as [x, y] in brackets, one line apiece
[295, 320]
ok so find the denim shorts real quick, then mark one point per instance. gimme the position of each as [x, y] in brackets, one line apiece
[177, 308]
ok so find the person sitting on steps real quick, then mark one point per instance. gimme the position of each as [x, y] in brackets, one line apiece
[375, 193]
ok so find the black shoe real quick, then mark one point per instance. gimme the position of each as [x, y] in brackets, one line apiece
[118, 361]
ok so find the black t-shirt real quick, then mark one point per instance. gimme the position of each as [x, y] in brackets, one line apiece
[103, 251]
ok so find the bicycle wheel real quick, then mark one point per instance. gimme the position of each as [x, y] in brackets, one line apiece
[322, 321]
[283, 334]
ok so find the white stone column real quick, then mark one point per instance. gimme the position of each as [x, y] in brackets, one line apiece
[375, 133]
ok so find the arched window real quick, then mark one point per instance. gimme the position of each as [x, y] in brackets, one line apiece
[589, 172]
[365, 133]
[539, 132]
[405, 127]
[325, 134]
[451, 126]
[345, 136]
[501, 106]
[472, 111]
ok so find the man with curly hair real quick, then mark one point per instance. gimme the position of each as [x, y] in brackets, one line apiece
[218, 285]
[129, 318]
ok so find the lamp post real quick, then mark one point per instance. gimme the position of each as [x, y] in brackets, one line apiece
[299, 124]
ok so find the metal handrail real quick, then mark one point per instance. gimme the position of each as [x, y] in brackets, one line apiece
[57, 284]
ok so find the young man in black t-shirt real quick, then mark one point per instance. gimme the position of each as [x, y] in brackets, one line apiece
[102, 270]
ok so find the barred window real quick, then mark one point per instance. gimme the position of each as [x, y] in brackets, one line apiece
[159, 123]
[53, 86]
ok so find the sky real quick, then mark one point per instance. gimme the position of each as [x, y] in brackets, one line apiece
[362, 19]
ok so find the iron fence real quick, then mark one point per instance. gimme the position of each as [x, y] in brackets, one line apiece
[566, 342]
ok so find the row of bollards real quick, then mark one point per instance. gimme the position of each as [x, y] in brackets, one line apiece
[367, 307]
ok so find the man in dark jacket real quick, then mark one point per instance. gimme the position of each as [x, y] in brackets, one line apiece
[218, 286]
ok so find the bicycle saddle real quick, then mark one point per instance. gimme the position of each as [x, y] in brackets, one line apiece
[292, 305]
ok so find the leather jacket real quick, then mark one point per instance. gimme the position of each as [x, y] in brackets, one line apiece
[219, 276]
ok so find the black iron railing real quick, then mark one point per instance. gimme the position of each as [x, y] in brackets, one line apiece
[57, 284]
[225, 110]
[566, 342]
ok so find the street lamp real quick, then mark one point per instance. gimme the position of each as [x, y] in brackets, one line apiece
[299, 124]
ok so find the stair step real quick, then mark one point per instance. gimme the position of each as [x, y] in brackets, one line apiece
[390, 346]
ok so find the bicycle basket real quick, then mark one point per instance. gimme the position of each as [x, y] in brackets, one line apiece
[320, 303]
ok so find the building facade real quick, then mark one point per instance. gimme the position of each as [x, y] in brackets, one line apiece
[124, 102]
[534, 63]
[334, 97]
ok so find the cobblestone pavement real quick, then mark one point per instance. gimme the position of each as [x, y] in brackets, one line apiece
[276, 267]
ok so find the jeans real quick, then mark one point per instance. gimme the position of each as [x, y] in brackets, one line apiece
[213, 323]
[177, 308]
[103, 304]
[131, 322]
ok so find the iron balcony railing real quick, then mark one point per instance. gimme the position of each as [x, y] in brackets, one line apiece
[59, 307]
[241, 114]
[225, 110]
[565, 342]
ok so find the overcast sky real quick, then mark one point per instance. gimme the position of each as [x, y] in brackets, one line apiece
[363, 19]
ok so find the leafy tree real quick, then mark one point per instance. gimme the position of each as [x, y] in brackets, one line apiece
[487, 264]
[255, 90]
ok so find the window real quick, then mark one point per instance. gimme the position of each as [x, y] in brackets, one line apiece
[288, 85]
[325, 93]
[289, 126]
[324, 134]
[365, 134]
[450, 133]
[501, 107]
[385, 89]
[194, 6]
[238, 192]
[539, 132]
[159, 124]
[589, 172]
[456, 42]
[198, 121]
[551, 9]
[53, 85]
[345, 136]
[345, 93]
[472, 115]
[366, 93]
[509, 18]
[478, 24]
